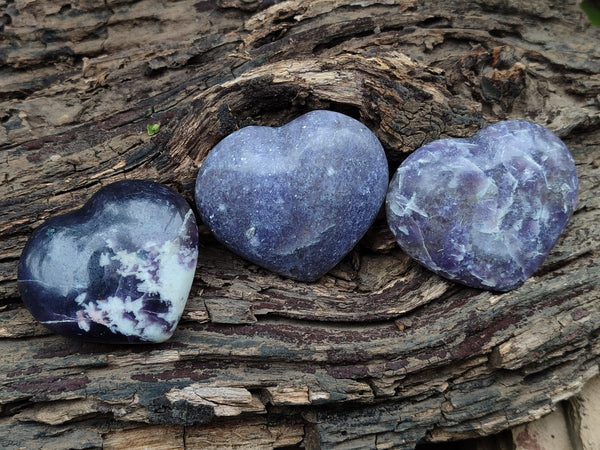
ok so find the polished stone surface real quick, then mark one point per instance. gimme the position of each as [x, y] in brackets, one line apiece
[117, 270]
[297, 198]
[487, 210]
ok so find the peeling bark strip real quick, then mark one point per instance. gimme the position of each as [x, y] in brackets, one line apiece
[379, 352]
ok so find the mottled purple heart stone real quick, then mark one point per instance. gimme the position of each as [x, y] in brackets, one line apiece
[484, 211]
[297, 198]
[118, 270]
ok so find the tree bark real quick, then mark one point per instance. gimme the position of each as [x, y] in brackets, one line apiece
[379, 352]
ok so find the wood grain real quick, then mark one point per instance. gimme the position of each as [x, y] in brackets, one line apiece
[379, 353]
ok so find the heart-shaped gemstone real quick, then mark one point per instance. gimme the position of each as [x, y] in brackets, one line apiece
[117, 270]
[484, 211]
[297, 198]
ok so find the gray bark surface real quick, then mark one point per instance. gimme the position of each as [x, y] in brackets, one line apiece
[379, 353]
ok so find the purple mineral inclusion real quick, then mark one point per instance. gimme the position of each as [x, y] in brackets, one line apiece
[484, 211]
[118, 270]
[297, 198]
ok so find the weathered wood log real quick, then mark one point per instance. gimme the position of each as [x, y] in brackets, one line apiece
[379, 352]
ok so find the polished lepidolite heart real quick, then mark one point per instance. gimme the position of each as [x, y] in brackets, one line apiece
[118, 270]
[484, 211]
[297, 198]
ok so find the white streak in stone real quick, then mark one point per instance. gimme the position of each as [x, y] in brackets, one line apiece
[83, 321]
[166, 271]
[250, 232]
[412, 205]
[306, 237]
[488, 188]
[104, 260]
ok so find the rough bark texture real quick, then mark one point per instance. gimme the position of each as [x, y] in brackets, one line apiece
[379, 352]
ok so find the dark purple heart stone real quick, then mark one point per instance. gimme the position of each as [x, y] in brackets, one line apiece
[484, 211]
[118, 270]
[297, 198]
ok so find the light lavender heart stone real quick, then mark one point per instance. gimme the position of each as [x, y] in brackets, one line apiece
[297, 198]
[484, 211]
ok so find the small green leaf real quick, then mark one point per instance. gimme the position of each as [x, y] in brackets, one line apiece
[153, 128]
[592, 9]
